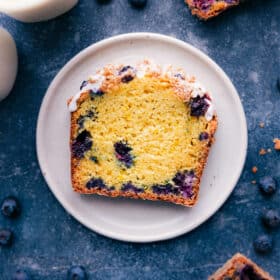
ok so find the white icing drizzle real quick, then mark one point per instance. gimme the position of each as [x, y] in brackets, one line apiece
[194, 87]
[94, 84]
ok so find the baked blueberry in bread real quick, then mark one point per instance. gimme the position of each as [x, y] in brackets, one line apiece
[141, 132]
[206, 9]
[240, 268]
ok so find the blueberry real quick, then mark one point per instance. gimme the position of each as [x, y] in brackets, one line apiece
[203, 136]
[130, 187]
[263, 244]
[21, 275]
[248, 272]
[199, 106]
[81, 144]
[84, 83]
[125, 69]
[94, 159]
[10, 207]
[184, 182]
[76, 273]
[122, 153]
[271, 218]
[268, 185]
[138, 3]
[95, 183]
[98, 92]
[6, 237]
[127, 78]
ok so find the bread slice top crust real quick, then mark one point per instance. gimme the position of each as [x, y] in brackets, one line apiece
[141, 132]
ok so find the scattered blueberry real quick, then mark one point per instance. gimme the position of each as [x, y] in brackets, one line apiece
[271, 218]
[203, 136]
[249, 273]
[130, 187]
[96, 183]
[122, 153]
[199, 106]
[76, 273]
[10, 207]
[82, 144]
[138, 3]
[21, 275]
[263, 244]
[6, 237]
[268, 185]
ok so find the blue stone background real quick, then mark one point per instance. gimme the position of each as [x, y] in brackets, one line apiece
[245, 42]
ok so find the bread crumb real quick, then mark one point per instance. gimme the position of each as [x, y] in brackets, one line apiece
[277, 144]
[262, 152]
[254, 169]
[254, 182]
[261, 124]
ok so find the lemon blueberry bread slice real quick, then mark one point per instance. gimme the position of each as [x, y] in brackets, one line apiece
[141, 132]
[206, 9]
[240, 268]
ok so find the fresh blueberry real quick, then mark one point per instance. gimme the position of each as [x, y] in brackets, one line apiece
[268, 185]
[138, 3]
[10, 207]
[6, 237]
[263, 244]
[271, 218]
[199, 106]
[21, 275]
[77, 273]
[82, 144]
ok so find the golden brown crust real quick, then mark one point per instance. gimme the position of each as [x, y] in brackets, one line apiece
[215, 10]
[81, 188]
[237, 261]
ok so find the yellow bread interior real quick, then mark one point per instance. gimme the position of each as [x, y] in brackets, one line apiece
[157, 125]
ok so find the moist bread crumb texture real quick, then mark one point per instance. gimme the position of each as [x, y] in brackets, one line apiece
[141, 132]
[240, 268]
[206, 9]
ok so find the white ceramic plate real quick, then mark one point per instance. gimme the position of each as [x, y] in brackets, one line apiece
[132, 220]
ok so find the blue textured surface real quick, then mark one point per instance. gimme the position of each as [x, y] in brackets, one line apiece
[245, 42]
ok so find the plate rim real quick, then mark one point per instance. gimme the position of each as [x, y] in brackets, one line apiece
[113, 40]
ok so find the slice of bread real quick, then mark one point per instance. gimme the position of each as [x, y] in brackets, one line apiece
[206, 9]
[141, 132]
[240, 268]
